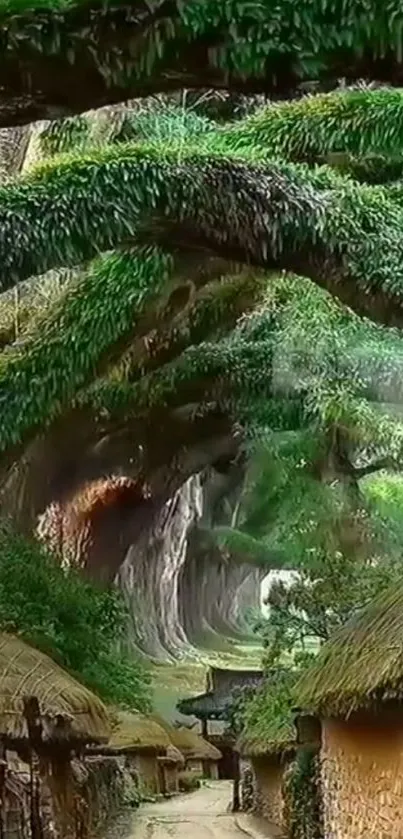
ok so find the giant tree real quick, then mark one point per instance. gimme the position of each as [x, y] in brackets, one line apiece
[143, 364]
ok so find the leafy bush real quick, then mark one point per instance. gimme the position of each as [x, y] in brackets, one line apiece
[78, 623]
[189, 781]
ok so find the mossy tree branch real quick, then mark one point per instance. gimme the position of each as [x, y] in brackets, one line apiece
[211, 314]
[345, 236]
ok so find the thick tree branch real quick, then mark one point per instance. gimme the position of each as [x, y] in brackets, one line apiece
[347, 239]
[377, 466]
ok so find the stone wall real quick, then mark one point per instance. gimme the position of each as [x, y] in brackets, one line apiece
[77, 802]
[101, 783]
[362, 779]
[268, 782]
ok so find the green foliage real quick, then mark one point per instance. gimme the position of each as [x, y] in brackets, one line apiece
[189, 781]
[342, 548]
[190, 184]
[267, 717]
[95, 318]
[356, 123]
[298, 370]
[383, 493]
[76, 622]
[244, 39]
[74, 205]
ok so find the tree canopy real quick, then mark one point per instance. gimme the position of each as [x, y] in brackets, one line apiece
[179, 291]
[165, 229]
[65, 56]
[79, 624]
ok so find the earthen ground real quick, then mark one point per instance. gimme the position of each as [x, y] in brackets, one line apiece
[203, 814]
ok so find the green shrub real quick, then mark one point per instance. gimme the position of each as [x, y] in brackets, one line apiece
[189, 781]
[78, 623]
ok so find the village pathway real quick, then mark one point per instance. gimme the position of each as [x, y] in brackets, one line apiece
[203, 814]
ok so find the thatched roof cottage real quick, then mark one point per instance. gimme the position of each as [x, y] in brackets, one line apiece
[200, 755]
[42, 705]
[45, 715]
[170, 764]
[268, 741]
[356, 688]
[141, 740]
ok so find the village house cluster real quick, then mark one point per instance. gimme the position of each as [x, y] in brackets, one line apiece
[333, 756]
[69, 762]
[347, 720]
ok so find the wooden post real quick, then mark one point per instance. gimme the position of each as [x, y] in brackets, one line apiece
[204, 723]
[34, 725]
[3, 768]
[36, 820]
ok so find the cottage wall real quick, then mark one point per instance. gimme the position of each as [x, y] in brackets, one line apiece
[146, 767]
[171, 777]
[268, 782]
[195, 766]
[210, 770]
[362, 779]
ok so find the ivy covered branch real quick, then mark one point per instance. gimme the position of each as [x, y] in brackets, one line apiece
[345, 236]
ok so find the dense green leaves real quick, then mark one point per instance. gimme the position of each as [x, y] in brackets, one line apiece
[299, 370]
[344, 235]
[77, 623]
[132, 49]
[95, 319]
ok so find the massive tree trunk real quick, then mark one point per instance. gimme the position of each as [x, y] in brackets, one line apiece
[178, 593]
[149, 577]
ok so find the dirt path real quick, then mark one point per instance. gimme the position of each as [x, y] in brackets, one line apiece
[198, 815]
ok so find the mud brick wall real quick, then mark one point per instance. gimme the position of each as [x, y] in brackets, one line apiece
[268, 781]
[170, 771]
[146, 766]
[362, 780]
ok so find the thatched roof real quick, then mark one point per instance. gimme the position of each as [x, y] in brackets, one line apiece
[192, 746]
[173, 755]
[223, 685]
[224, 680]
[362, 665]
[69, 711]
[137, 732]
[274, 739]
[269, 721]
